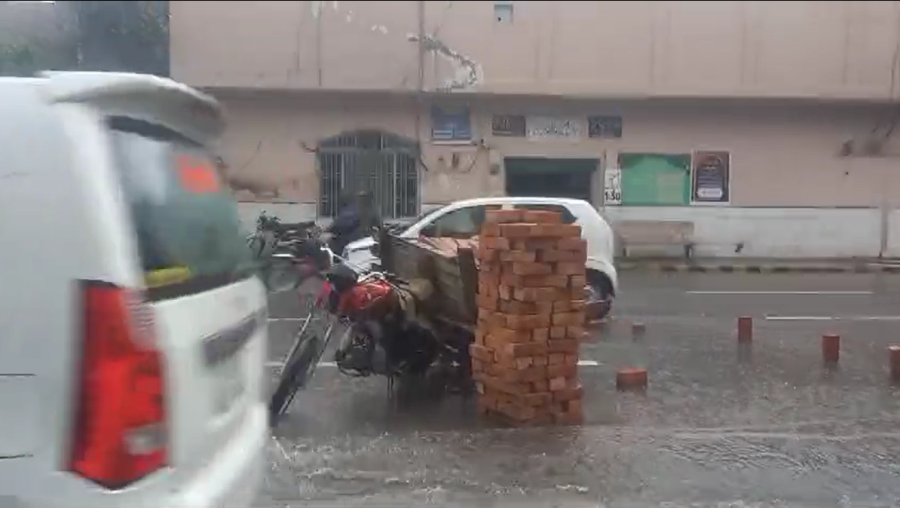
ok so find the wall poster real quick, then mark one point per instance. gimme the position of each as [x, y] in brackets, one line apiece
[612, 186]
[711, 178]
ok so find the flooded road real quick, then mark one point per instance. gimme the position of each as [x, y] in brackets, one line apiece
[720, 425]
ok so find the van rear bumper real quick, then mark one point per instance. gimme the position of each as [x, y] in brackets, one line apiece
[233, 478]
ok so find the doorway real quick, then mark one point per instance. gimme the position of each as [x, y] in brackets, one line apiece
[556, 178]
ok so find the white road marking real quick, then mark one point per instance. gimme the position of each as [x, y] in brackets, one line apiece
[836, 293]
[286, 319]
[278, 365]
[832, 318]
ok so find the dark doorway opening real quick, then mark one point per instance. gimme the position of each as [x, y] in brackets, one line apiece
[543, 177]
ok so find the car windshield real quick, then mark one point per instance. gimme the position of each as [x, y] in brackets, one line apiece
[187, 225]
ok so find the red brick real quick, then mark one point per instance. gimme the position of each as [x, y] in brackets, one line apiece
[527, 321]
[569, 268]
[577, 281]
[562, 256]
[502, 216]
[576, 244]
[481, 353]
[505, 292]
[557, 332]
[516, 231]
[479, 336]
[540, 386]
[500, 385]
[557, 384]
[568, 319]
[524, 363]
[555, 359]
[577, 293]
[576, 333]
[571, 359]
[534, 244]
[532, 269]
[567, 394]
[490, 229]
[562, 306]
[486, 302]
[541, 335]
[566, 346]
[498, 337]
[539, 294]
[538, 399]
[557, 231]
[516, 412]
[493, 242]
[490, 278]
[562, 370]
[539, 360]
[518, 256]
[541, 217]
[521, 350]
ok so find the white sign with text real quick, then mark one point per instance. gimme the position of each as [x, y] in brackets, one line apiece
[612, 186]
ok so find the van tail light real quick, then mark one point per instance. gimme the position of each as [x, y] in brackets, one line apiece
[120, 425]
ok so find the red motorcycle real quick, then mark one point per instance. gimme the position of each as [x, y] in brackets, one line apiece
[377, 335]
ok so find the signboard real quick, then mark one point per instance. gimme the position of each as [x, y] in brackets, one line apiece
[710, 182]
[546, 127]
[612, 186]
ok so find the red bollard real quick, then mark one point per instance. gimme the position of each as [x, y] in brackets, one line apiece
[894, 352]
[831, 347]
[745, 329]
[631, 379]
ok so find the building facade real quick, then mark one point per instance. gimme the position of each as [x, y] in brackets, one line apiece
[768, 125]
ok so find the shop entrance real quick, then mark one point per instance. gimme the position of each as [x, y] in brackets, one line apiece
[543, 177]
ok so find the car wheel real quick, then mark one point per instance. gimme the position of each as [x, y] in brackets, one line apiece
[599, 296]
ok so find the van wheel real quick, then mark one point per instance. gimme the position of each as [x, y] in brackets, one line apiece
[599, 295]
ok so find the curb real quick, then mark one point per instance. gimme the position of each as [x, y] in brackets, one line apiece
[681, 267]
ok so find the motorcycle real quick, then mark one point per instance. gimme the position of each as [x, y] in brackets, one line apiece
[378, 333]
[288, 253]
[272, 233]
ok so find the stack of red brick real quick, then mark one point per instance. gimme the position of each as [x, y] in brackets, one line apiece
[530, 317]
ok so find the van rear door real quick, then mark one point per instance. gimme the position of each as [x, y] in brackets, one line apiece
[209, 307]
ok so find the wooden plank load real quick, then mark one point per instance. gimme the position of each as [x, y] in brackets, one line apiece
[448, 264]
[530, 303]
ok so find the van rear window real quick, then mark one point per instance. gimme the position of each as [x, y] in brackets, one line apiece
[188, 230]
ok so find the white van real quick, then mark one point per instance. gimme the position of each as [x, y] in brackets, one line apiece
[132, 328]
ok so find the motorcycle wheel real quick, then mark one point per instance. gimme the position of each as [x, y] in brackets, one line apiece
[296, 375]
[280, 276]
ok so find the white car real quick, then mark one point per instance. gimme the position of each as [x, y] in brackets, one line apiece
[463, 218]
[132, 326]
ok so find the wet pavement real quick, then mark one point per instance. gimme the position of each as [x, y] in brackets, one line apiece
[719, 425]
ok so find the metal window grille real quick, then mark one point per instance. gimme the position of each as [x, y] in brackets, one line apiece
[379, 162]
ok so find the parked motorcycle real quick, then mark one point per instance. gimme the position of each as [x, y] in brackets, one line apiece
[288, 253]
[379, 333]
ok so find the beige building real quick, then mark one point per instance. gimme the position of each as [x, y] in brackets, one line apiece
[769, 125]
